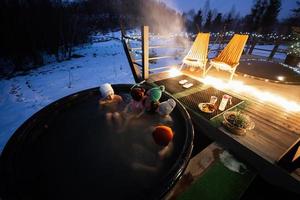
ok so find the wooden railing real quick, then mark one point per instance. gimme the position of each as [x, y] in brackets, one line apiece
[140, 67]
[134, 65]
[251, 47]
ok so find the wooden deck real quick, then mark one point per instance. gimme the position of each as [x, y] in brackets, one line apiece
[274, 133]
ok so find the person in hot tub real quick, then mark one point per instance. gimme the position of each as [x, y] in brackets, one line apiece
[111, 102]
[148, 103]
[135, 106]
[134, 109]
[143, 102]
[157, 147]
[108, 96]
[151, 101]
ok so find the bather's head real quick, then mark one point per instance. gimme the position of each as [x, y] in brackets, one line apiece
[107, 92]
[137, 93]
[155, 93]
[162, 135]
[166, 107]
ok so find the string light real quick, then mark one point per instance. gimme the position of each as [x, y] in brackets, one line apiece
[240, 88]
[262, 96]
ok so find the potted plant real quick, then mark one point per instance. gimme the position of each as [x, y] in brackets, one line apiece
[237, 123]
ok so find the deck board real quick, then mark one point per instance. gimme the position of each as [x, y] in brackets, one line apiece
[274, 133]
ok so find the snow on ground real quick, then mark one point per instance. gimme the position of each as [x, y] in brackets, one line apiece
[23, 95]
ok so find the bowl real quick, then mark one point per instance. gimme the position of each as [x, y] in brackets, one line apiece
[207, 107]
[237, 123]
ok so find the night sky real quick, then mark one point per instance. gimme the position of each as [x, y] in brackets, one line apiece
[242, 6]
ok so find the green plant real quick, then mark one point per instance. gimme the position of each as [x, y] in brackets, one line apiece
[239, 120]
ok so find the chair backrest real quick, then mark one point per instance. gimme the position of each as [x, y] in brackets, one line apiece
[199, 48]
[231, 54]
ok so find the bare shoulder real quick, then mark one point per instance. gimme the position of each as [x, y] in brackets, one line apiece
[118, 98]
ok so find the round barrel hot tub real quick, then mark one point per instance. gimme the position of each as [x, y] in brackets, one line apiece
[67, 150]
[268, 70]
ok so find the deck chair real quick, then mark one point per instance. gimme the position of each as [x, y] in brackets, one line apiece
[197, 55]
[229, 58]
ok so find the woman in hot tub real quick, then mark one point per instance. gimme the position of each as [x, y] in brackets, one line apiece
[112, 103]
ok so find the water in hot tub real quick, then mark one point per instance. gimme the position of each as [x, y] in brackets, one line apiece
[78, 153]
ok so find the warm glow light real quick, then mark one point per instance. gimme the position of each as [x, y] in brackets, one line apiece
[262, 96]
[174, 72]
[281, 78]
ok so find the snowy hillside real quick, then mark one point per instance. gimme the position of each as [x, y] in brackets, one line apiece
[23, 95]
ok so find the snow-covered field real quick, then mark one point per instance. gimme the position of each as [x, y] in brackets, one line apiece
[23, 95]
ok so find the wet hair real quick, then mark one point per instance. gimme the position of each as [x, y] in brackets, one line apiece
[137, 93]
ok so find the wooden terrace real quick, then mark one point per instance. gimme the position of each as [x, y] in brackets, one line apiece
[275, 132]
[267, 148]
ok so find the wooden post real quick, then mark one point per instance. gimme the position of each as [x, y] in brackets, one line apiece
[248, 45]
[252, 46]
[145, 52]
[123, 32]
[274, 50]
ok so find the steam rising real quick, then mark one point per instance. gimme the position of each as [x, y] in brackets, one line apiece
[162, 19]
[167, 28]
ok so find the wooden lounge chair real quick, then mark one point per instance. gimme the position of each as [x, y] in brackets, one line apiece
[229, 58]
[197, 55]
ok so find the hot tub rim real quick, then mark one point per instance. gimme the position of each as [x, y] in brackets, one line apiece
[175, 173]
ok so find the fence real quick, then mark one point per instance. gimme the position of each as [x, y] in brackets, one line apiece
[140, 67]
